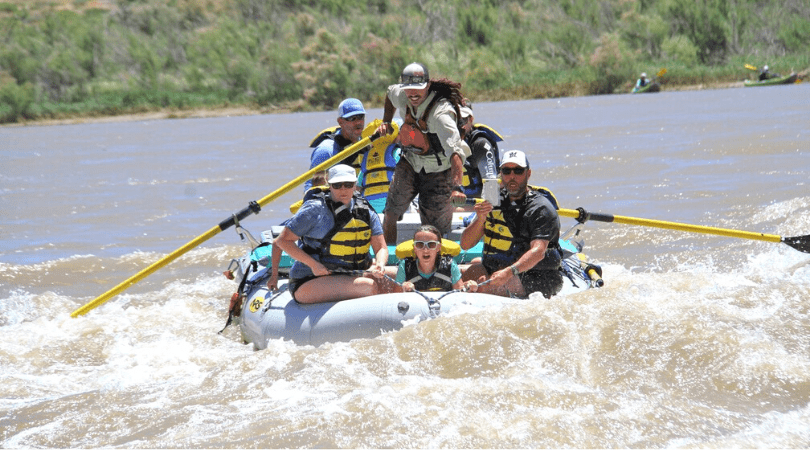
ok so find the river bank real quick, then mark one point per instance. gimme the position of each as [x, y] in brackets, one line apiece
[174, 113]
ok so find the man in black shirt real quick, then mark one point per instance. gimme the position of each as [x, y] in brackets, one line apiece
[521, 237]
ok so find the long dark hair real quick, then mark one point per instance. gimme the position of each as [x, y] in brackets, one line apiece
[450, 90]
[447, 89]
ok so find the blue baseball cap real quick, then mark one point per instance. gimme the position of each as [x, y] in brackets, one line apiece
[350, 107]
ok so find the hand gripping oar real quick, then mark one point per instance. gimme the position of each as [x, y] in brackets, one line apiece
[252, 208]
[800, 243]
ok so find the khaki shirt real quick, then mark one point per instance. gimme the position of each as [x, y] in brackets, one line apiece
[441, 121]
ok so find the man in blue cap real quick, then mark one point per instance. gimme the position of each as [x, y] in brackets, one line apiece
[331, 141]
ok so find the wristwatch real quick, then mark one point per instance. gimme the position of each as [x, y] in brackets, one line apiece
[515, 270]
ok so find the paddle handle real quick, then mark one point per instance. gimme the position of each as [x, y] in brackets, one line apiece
[582, 216]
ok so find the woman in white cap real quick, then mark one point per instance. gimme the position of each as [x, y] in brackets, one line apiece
[336, 227]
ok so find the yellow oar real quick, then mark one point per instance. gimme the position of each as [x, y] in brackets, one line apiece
[750, 67]
[252, 208]
[661, 73]
[800, 243]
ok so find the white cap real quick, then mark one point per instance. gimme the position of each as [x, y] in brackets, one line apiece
[515, 157]
[341, 173]
[643, 74]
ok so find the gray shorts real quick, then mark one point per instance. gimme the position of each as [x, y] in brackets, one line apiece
[434, 190]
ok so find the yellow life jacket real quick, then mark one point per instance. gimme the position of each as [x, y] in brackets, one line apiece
[379, 167]
[347, 244]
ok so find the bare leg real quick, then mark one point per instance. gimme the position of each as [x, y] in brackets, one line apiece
[474, 272]
[335, 288]
[389, 226]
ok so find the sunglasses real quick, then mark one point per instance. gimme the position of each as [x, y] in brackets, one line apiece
[343, 185]
[412, 79]
[515, 170]
[422, 244]
[355, 118]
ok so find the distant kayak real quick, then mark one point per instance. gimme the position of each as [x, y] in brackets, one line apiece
[787, 79]
[649, 87]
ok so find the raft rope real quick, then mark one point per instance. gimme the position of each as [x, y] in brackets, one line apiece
[464, 289]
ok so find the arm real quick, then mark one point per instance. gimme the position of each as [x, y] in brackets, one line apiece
[388, 116]
[275, 260]
[473, 233]
[457, 170]
[534, 255]
[286, 241]
[531, 258]
[380, 252]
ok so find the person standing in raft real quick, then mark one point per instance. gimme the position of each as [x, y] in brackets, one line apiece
[521, 237]
[336, 228]
[428, 269]
[433, 152]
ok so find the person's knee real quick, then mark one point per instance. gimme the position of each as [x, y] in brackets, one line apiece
[474, 272]
[365, 286]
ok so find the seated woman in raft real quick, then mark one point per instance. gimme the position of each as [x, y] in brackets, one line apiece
[336, 228]
[428, 269]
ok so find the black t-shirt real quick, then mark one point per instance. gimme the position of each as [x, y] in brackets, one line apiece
[532, 217]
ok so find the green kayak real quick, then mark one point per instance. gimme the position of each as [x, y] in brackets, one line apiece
[787, 79]
[649, 87]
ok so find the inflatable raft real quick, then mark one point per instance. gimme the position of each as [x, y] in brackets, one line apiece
[265, 315]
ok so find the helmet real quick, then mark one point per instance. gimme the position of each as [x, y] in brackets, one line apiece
[414, 76]
[643, 74]
[765, 68]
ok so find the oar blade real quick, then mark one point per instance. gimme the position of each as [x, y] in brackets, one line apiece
[800, 243]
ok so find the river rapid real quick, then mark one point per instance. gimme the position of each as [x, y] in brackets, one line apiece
[694, 341]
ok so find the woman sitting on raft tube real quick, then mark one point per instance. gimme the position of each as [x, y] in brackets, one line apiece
[428, 269]
[336, 227]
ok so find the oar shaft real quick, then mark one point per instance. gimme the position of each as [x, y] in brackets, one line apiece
[348, 151]
[225, 224]
[600, 217]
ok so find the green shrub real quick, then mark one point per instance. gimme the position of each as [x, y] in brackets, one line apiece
[15, 101]
[681, 49]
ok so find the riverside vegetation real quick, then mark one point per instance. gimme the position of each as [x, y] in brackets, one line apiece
[86, 58]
